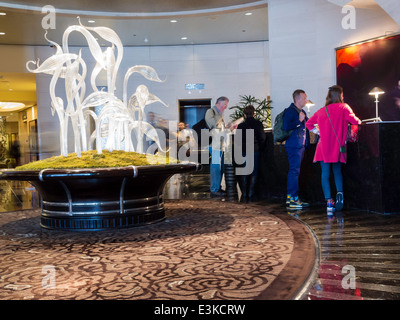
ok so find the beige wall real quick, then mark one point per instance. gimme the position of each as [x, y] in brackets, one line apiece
[14, 58]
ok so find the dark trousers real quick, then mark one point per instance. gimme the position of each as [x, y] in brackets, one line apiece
[295, 156]
[247, 183]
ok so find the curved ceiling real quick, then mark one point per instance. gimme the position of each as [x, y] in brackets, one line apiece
[128, 7]
[140, 22]
[137, 23]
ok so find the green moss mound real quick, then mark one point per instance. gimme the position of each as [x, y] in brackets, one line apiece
[90, 159]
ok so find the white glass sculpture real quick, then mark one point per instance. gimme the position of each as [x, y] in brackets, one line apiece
[118, 118]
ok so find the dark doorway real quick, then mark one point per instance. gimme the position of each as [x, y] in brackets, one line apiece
[192, 111]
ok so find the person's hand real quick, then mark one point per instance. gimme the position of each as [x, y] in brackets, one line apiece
[302, 116]
[397, 102]
[231, 126]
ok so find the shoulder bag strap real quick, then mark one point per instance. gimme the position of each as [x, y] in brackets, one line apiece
[332, 125]
[297, 110]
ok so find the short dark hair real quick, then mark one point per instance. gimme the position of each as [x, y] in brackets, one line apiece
[297, 93]
[249, 110]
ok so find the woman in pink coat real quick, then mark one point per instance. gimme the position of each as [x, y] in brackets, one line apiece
[332, 129]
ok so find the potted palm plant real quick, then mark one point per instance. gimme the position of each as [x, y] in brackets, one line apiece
[262, 109]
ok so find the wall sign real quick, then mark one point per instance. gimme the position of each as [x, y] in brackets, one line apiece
[194, 86]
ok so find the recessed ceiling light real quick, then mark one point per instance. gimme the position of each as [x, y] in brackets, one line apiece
[173, 21]
[184, 38]
[248, 13]
[2, 33]
[11, 106]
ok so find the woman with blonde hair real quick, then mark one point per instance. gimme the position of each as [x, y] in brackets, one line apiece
[332, 122]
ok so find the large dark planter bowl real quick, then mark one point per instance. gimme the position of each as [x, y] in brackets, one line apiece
[101, 198]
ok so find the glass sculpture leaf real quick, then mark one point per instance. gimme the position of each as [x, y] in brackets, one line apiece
[146, 71]
[115, 120]
[52, 63]
[97, 98]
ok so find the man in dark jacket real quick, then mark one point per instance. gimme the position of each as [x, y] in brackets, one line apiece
[252, 126]
[295, 119]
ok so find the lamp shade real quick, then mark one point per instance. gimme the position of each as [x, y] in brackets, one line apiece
[376, 91]
[310, 103]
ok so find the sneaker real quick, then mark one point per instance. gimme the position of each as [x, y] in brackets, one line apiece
[339, 201]
[330, 207]
[295, 203]
[288, 200]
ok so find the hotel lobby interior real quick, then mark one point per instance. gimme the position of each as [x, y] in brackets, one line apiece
[196, 247]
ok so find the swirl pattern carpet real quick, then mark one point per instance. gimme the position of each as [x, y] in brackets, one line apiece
[205, 249]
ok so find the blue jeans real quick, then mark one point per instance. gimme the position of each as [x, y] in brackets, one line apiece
[295, 156]
[325, 174]
[216, 169]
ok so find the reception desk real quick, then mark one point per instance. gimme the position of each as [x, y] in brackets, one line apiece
[371, 175]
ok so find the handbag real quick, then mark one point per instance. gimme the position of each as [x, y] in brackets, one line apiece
[343, 147]
[352, 133]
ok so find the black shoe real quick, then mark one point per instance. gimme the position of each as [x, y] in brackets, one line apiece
[243, 188]
[252, 189]
[217, 194]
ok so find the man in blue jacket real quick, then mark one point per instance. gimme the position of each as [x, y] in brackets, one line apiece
[295, 119]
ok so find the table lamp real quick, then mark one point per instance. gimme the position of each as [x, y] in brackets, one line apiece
[376, 92]
[309, 104]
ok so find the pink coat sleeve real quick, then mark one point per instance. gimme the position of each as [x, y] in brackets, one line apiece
[351, 117]
[311, 122]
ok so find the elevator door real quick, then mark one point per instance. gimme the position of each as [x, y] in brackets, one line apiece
[192, 111]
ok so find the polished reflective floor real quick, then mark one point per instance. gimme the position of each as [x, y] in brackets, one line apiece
[359, 252]
[359, 255]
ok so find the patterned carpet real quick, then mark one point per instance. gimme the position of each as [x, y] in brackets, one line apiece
[205, 249]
